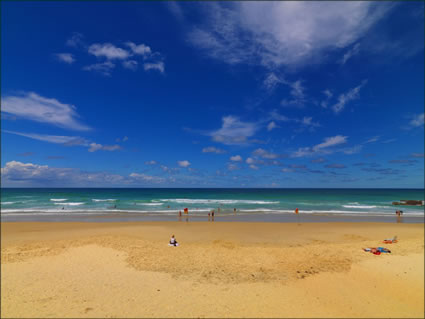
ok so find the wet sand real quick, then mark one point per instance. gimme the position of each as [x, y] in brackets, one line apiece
[219, 270]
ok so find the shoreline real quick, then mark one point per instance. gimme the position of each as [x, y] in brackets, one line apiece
[127, 216]
[58, 269]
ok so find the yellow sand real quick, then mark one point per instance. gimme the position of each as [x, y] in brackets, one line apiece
[220, 270]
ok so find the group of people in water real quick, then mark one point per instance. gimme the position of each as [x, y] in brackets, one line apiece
[211, 214]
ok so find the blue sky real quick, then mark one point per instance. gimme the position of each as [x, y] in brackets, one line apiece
[216, 94]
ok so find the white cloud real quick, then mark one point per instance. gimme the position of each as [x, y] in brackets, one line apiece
[75, 40]
[57, 139]
[159, 66]
[65, 57]
[343, 99]
[183, 163]
[372, 140]
[130, 64]
[297, 93]
[140, 49]
[67, 141]
[234, 131]
[353, 51]
[97, 147]
[236, 158]
[31, 106]
[15, 173]
[331, 141]
[151, 162]
[232, 167]
[212, 149]
[322, 148]
[250, 160]
[253, 167]
[329, 95]
[108, 51]
[271, 81]
[103, 68]
[147, 178]
[285, 33]
[417, 120]
[308, 121]
[271, 126]
[264, 154]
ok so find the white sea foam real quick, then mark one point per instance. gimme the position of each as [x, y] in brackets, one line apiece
[7, 203]
[70, 204]
[104, 200]
[150, 204]
[58, 199]
[217, 201]
[358, 206]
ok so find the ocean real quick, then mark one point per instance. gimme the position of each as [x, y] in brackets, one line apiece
[150, 204]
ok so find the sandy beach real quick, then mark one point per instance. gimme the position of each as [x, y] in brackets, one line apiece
[219, 270]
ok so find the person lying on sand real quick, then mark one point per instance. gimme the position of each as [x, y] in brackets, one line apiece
[377, 250]
[173, 241]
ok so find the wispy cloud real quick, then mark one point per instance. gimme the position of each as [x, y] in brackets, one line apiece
[159, 66]
[108, 54]
[272, 125]
[152, 162]
[76, 40]
[56, 139]
[403, 161]
[147, 178]
[282, 33]
[305, 122]
[108, 51]
[383, 171]
[212, 149]
[234, 131]
[236, 158]
[417, 155]
[328, 93]
[130, 64]
[67, 141]
[65, 57]
[264, 154]
[318, 160]
[184, 163]
[104, 68]
[322, 147]
[297, 93]
[417, 120]
[97, 147]
[33, 107]
[344, 98]
[336, 165]
[350, 53]
[139, 49]
[372, 140]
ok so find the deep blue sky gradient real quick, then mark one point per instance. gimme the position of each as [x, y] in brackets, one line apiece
[171, 116]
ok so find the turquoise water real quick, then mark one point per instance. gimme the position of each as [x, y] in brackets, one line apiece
[78, 203]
